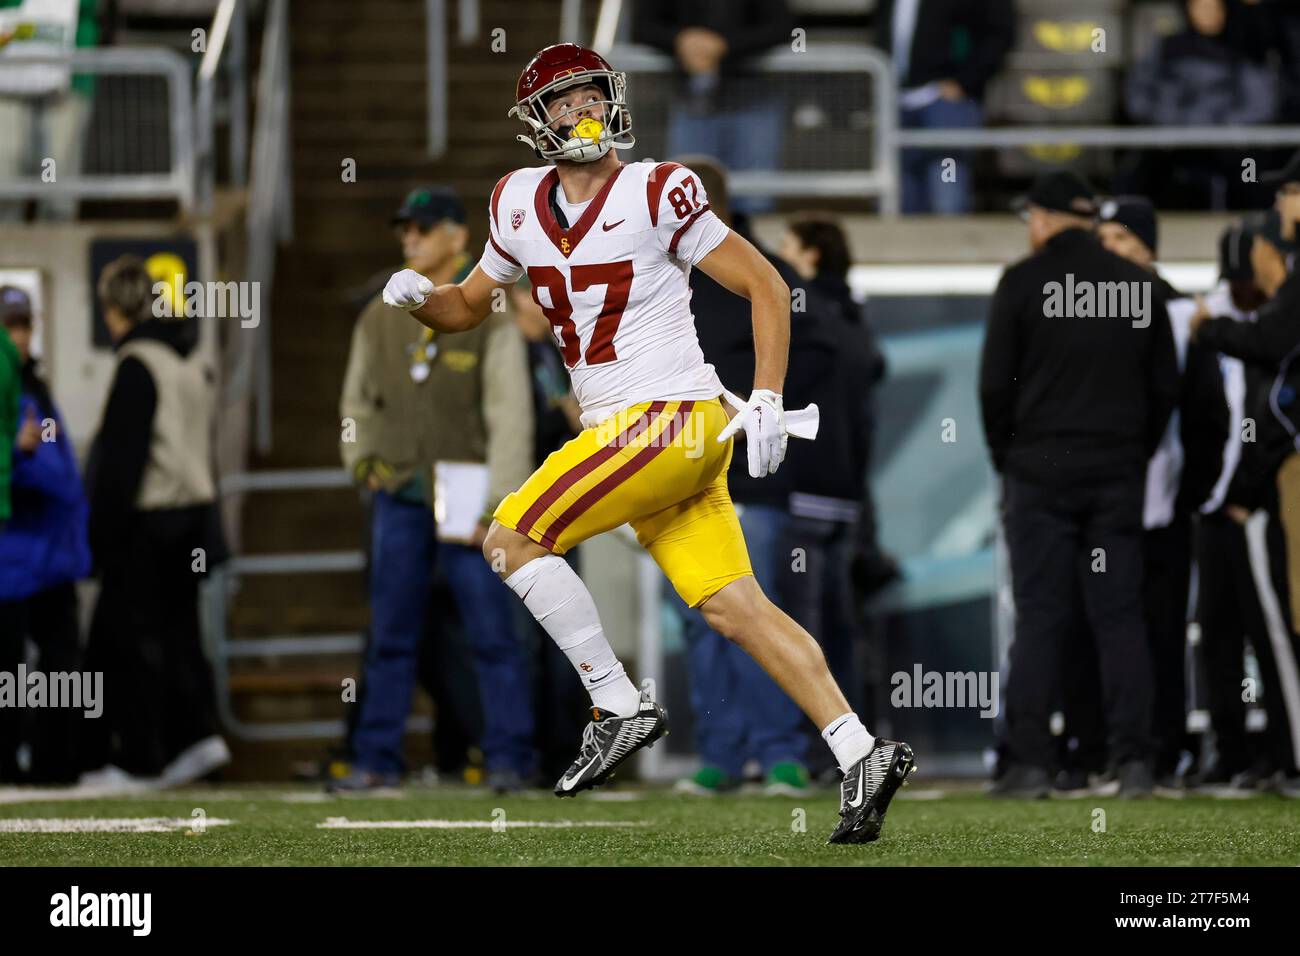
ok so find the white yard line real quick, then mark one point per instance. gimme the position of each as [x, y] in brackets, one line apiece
[108, 824]
[343, 823]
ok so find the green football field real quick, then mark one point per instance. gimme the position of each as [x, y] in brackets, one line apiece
[216, 826]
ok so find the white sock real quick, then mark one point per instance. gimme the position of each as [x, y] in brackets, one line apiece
[556, 596]
[848, 740]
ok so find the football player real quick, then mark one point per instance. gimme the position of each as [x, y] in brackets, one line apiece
[608, 247]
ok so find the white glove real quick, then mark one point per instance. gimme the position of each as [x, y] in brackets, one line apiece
[407, 290]
[765, 435]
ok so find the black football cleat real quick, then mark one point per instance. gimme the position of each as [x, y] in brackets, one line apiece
[868, 787]
[608, 741]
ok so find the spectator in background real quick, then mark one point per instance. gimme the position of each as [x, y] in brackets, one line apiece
[1273, 341]
[49, 107]
[421, 401]
[944, 53]
[832, 515]
[1180, 476]
[1073, 408]
[43, 551]
[1231, 574]
[152, 521]
[1196, 77]
[430, 229]
[740, 712]
[11, 364]
[563, 706]
[718, 108]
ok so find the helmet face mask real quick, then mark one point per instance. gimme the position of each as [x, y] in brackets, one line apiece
[557, 69]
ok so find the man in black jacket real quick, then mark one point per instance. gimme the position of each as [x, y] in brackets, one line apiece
[1077, 381]
[739, 711]
[944, 53]
[837, 364]
[1180, 476]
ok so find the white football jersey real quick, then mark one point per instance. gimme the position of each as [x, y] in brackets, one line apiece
[614, 284]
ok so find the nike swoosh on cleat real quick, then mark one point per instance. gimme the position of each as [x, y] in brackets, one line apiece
[861, 779]
[607, 226]
[568, 783]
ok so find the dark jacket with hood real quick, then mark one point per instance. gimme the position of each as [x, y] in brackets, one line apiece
[838, 364]
[724, 325]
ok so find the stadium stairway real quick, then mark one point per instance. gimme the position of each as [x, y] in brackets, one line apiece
[358, 93]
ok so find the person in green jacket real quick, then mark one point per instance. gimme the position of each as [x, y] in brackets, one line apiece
[10, 369]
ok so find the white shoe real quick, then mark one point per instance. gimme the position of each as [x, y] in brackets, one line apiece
[195, 761]
[110, 779]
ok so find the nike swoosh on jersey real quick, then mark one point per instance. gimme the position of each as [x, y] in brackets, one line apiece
[607, 226]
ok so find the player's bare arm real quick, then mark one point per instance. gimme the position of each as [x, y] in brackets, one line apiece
[736, 265]
[454, 307]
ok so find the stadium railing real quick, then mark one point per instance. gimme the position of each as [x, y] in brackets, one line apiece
[145, 158]
[435, 40]
[842, 101]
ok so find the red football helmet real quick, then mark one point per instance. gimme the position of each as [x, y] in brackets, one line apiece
[560, 67]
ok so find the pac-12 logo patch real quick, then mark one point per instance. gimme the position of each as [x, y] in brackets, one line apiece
[516, 217]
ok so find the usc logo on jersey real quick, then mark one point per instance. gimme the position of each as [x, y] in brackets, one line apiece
[564, 245]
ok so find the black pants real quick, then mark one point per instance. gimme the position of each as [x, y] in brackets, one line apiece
[1230, 613]
[1166, 587]
[49, 619]
[158, 691]
[1072, 547]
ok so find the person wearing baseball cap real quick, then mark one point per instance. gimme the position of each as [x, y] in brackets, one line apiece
[1074, 401]
[1127, 227]
[418, 400]
[1062, 192]
[1180, 476]
[428, 206]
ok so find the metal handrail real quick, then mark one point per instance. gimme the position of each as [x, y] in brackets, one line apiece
[178, 182]
[889, 139]
[435, 39]
[881, 180]
[227, 42]
[270, 212]
[1155, 137]
[571, 21]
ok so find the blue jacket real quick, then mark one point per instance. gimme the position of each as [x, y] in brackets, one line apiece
[45, 542]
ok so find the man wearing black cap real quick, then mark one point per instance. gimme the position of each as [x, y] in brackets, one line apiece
[1077, 381]
[1180, 476]
[415, 401]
